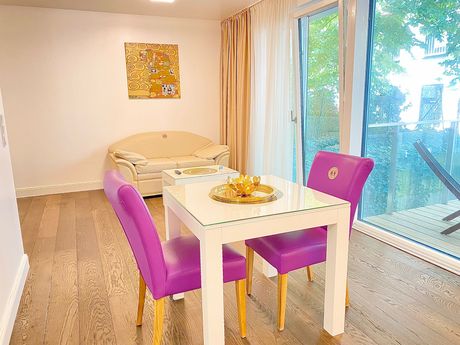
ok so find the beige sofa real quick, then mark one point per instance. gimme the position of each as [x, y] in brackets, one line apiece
[142, 157]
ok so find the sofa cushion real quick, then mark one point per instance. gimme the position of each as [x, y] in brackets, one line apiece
[191, 161]
[156, 165]
[132, 157]
[149, 176]
[211, 151]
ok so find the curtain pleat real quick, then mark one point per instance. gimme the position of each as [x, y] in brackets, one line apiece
[236, 87]
[272, 132]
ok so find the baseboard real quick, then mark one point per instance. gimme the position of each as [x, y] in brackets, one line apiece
[59, 188]
[437, 258]
[12, 305]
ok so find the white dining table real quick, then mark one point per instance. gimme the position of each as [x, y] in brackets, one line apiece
[215, 223]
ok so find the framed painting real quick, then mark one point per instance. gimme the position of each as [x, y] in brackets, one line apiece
[152, 70]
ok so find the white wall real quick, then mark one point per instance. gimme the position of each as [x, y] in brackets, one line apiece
[63, 77]
[13, 261]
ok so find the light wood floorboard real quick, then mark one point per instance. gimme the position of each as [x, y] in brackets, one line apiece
[83, 281]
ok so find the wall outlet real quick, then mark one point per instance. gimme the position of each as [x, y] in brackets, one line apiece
[2, 130]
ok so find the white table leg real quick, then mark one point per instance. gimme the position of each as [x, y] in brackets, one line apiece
[212, 285]
[268, 269]
[336, 274]
[172, 225]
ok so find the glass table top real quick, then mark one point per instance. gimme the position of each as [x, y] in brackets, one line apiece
[293, 198]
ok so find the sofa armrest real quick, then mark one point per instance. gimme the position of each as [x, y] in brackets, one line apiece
[127, 169]
[223, 159]
[211, 151]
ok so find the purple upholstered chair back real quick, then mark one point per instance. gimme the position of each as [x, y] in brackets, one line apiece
[347, 183]
[140, 230]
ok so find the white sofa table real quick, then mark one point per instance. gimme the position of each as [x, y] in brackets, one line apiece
[173, 177]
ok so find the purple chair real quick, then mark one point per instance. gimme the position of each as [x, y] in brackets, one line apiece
[340, 175]
[168, 267]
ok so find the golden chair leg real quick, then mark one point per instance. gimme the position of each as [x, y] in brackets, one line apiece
[309, 274]
[140, 306]
[240, 286]
[282, 292]
[249, 269]
[158, 320]
[347, 297]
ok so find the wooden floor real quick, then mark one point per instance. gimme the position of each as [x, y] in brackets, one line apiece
[82, 289]
[424, 225]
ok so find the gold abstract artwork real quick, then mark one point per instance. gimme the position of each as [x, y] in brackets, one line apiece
[153, 70]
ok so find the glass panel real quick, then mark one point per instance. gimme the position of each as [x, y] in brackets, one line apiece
[319, 63]
[414, 95]
[194, 197]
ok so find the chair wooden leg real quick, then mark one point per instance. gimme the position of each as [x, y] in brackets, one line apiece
[140, 305]
[309, 274]
[158, 320]
[249, 269]
[240, 286]
[282, 292]
[347, 297]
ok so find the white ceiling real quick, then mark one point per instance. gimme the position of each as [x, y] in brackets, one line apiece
[204, 9]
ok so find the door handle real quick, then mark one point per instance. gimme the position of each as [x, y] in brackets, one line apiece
[293, 117]
[2, 130]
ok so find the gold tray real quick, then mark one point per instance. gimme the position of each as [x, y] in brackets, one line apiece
[262, 194]
[199, 171]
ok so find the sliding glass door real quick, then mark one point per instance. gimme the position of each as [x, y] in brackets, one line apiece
[413, 96]
[319, 70]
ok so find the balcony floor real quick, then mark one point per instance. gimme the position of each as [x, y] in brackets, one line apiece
[424, 225]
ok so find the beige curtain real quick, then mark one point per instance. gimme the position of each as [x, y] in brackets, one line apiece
[236, 87]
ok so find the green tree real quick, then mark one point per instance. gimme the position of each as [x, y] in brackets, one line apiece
[439, 19]
[394, 30]
[322, 85]
[323, 66]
